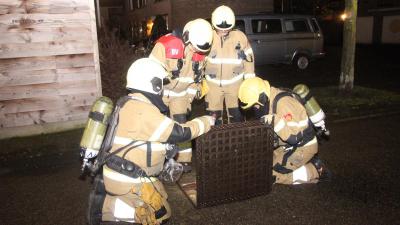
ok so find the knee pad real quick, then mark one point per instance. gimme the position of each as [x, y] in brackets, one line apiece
[235, 115]
[180, 118]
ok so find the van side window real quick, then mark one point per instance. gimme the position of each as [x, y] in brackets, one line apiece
[314, 25]
[266, 26]
[297, 25]
[239, 24]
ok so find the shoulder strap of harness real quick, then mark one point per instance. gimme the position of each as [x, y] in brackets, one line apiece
[109, 136]
[290, 93]
[174, 46]
[277, 98]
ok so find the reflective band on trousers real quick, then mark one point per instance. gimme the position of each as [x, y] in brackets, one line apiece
[225, 82]
[113, 175]
[123, 211]
[300, 175]
[174, 94]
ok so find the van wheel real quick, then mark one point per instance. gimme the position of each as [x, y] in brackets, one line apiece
[301, 61]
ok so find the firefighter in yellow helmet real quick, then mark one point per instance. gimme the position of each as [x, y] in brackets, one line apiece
[294, 160]
[184, 59]
[229, 62]
[145, 134]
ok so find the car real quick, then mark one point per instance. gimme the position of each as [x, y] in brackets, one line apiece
[280, 38]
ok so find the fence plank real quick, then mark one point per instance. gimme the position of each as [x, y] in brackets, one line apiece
[27, 64]
[44, 116]
[45, 49]
[46, 76]
[44, 90]
[42, 6]
[46, 103]
[44, 35]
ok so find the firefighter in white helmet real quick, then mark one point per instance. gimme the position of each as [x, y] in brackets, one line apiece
[229, 62]
[295, 158]
[184, 59]
[144, 132]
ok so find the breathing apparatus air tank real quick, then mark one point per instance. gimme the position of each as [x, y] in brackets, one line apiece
[95, 129]
[314, 111]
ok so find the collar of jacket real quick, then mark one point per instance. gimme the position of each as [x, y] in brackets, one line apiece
[154, 99]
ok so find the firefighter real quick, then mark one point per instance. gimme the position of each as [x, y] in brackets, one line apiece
[295, 158]
[229, 62]
[184, 59]
[134, 193]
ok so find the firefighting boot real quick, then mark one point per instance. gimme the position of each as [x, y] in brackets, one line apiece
[235, 115]
[325, 175]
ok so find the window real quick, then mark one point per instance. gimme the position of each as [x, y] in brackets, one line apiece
[137, 4]
[298, 25]
[266, 26]
[314, 25]
[239, 24]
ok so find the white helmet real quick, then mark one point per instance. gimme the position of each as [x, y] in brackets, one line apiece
[147, 75]
[223, 18]
[199, 33]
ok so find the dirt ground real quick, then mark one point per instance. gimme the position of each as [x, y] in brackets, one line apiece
[39, 175]
[362, 154]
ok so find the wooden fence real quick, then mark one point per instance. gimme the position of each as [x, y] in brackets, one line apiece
[49, 65]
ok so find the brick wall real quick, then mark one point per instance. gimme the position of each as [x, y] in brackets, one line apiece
[183, 10]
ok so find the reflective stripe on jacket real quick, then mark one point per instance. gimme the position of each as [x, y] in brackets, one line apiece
[291, 121]
[224, 63]
[141, 121]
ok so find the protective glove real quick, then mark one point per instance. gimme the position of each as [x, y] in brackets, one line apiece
[145, 215]
[171, 172]
[151, 196]
[268, 119]
[172, 149]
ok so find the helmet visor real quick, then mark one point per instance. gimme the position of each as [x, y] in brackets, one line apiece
[205, 47]
[244, 105]
[223, 25]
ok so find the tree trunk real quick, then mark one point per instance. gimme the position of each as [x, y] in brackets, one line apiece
[348, 52]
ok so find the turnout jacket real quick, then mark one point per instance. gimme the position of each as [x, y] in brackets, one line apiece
[291, 122]
[230, 59]
[184, 83]
[141, 121]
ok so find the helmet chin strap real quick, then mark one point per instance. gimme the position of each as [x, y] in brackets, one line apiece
[264, 106]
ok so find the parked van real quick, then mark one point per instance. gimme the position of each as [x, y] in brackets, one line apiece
[277, 38]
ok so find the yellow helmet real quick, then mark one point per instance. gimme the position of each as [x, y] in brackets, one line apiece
[251, 89]
[223, 18]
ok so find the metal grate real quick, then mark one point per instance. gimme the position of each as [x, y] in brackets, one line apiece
[233, 162]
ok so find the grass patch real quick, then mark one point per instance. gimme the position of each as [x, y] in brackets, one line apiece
[362, 100]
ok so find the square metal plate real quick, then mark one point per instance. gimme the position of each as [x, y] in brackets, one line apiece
[232, 162]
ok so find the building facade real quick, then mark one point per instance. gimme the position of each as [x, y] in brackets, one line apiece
[141, 13]
[378, 22]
